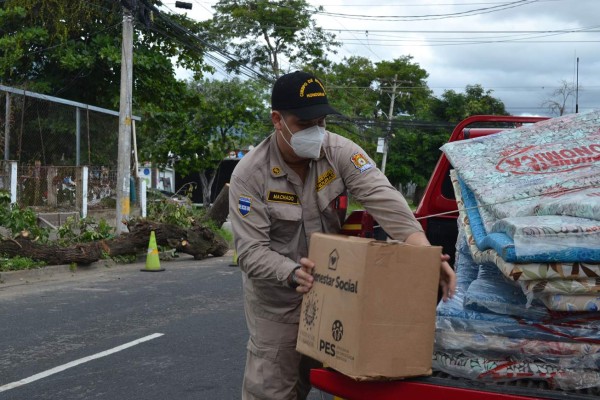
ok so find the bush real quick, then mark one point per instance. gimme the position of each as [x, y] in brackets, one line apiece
[83, 230]
[20, 221]
[175, 210]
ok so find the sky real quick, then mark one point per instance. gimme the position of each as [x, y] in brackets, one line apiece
[521, 50]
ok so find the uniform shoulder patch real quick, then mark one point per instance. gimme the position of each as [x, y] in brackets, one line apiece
[282, 197]
[325, 179]
[361, 162]
[244, 205]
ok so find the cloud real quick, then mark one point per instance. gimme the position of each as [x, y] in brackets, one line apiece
[516, 52]
[522, 67]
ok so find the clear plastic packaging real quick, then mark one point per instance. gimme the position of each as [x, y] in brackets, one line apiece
[505, 370]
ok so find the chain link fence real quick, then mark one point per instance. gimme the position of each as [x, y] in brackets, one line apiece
[50, 138]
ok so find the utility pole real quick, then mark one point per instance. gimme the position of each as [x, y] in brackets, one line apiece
[124, 156]
[7, 129]
[390, 116]
[577, 89]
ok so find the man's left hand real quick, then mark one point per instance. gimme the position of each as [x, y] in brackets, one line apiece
[304, 276]
[447, 279]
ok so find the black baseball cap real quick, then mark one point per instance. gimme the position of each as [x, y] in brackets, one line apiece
[301, 94]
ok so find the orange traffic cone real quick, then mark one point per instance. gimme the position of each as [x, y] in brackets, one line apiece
[152, 259]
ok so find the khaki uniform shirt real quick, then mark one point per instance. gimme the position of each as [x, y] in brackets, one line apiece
[273, 214]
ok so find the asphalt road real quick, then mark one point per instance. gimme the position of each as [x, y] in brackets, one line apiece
[119, 333]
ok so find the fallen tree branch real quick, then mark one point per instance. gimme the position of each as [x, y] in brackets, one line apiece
[197, 241]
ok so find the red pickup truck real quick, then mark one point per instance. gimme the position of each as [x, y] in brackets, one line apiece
[437, 210]
[437, 214]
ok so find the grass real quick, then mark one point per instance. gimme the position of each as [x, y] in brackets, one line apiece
[19, 263]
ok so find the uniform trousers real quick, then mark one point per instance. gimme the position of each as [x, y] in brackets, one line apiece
[274, 369]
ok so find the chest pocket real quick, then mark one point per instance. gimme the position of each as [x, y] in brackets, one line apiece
[332, 217]
[286, 222]
[329, 193]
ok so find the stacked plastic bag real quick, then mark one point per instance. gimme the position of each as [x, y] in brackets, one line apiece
[528, 256]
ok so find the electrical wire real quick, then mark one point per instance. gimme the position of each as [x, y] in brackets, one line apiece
[426, 17]
[420, 3]
[244, 69]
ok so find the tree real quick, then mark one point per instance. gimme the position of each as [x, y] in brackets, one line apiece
[412, 155]
[197, 240]
[214, 117]
[362, 91]
[454, 107]
[557, 105]
[265, 34]
[73, 50]
[350, 86]
[407, 80]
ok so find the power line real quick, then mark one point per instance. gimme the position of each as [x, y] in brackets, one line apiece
[477, 11]
[593, 29]
[244, 69]
[511, 37]
[418, 43]
[404, 4]
[212, 59]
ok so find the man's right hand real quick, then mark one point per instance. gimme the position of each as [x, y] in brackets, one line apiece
[303, 275]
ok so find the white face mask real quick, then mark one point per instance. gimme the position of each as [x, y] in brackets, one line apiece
[307, 142]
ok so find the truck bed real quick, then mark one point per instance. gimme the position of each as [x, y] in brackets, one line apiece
[437, 213]
[440, 386]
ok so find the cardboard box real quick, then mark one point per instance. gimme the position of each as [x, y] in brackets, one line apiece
[371, 312]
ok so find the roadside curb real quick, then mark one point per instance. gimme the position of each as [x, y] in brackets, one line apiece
[54, 272]
[23, 277]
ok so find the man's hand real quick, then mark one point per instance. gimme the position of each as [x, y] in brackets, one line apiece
[447, 275]
[303, 275]
[447, 279]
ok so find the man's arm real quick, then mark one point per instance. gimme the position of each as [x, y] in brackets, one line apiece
[373, 190]
[251, 225]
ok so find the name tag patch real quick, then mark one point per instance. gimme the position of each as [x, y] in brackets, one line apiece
[244, 205]
[361, 162]
[282, 197]
[325, 179]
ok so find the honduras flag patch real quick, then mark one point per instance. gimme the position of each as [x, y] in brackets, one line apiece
[244, 205]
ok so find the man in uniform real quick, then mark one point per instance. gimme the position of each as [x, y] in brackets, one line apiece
[281, 192]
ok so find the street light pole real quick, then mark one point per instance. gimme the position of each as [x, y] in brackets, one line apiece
[124, 152]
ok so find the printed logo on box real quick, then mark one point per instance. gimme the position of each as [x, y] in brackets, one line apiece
[337, 330]
[333, 259]
[311, 308]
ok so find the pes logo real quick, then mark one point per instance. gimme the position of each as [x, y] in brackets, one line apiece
[337, 332]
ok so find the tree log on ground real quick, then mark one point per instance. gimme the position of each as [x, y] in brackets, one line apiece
[197, 241]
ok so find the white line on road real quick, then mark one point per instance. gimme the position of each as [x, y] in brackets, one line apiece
[63, 367]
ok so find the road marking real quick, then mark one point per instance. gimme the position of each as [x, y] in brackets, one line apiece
[71, 364]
